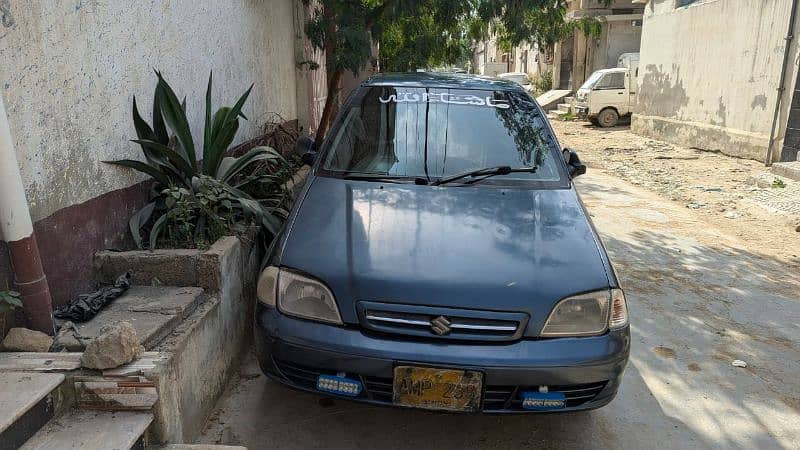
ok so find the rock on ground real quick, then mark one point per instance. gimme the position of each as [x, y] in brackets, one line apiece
[25, 340]
[67, 339]
[116, 345]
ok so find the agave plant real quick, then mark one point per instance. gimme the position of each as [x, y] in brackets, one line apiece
[171, 160]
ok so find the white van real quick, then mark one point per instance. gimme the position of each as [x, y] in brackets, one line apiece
[609, 94]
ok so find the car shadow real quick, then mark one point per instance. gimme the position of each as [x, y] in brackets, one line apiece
[696, 305]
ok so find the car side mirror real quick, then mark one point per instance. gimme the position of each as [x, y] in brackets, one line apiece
[574, 164]
[306, 149]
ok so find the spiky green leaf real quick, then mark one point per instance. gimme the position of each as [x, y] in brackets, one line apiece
[155, 232]
[207, 136]
[230, 166]
[138, 220]
[144, 168]
[175, 117]
[186, 168]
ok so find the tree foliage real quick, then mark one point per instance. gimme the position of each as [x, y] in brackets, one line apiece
[426, 33]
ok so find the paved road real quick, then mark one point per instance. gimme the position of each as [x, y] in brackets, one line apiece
[699, 298]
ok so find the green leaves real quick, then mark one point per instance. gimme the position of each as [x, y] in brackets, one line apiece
[221, 132]
[138, 220]
[192, 204]
[147, 169]
[9, 300]
[230, 167]
[174, 113]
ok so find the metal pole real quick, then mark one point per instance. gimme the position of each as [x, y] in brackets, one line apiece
[781, 88]
[16, 229]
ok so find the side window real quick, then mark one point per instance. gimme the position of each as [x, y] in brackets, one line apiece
[615, 80]
[679, 3]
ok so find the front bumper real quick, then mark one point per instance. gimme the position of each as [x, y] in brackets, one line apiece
[582, 111]
[295, 352]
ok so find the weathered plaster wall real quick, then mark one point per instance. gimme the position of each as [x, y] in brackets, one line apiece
[709, 72]
[70, 69]
[618, 37]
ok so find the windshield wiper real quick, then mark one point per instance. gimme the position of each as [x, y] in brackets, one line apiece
[383, 177]
[484, 173]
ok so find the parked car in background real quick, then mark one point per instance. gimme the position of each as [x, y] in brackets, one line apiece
[521, 78]
[609, 94]
[439, 257]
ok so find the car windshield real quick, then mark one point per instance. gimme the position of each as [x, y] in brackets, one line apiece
[434, 133]
[517, 78]
[593, 79]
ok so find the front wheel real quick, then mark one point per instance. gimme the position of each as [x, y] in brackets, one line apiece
[608, 118]
[594, 121]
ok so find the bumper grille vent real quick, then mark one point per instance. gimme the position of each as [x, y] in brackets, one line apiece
[496, 399]
[442, 323]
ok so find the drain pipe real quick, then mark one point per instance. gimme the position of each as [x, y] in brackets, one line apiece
[789, 38]
[17, 230]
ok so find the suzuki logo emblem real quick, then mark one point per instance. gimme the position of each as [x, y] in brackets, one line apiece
[440, 325]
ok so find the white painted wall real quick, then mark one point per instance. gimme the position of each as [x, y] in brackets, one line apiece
[69, 70]
[709, 72]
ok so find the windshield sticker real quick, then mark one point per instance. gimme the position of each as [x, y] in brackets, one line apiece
[473, 100]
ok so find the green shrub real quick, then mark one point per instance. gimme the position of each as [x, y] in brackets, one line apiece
[9, 301]
[212, 198]
[542, 83]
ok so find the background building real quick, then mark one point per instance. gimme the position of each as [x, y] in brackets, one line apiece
[579, 55]
[709, 75]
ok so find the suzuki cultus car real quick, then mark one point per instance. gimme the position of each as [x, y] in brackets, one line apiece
[439, 257]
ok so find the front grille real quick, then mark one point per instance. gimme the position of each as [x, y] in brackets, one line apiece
[495, 398]
[504, 398]
[451, 323]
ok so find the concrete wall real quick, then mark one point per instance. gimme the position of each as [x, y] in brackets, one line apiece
[581, 55]
[69, 71]
[709, 73]
[618, 37]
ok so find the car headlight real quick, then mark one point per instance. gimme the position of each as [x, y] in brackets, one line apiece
[297, 295]
[587, 314]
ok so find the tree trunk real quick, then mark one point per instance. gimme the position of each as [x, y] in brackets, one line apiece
[330, 107]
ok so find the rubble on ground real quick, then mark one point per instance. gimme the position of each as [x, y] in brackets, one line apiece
[67, 339]
[744, 195]
[116, 345]
[25, 340]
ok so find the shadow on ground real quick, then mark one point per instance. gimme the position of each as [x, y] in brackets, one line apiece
[696, 305]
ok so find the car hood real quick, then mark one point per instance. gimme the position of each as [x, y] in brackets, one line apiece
[518, 250]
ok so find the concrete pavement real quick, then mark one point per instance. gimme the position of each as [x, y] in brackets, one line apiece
[699, 298]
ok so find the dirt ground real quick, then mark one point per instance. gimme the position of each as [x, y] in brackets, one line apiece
[736, 195]
[703, 290]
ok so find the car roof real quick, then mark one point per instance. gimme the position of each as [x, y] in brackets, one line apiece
[508, 74]
[444, 80]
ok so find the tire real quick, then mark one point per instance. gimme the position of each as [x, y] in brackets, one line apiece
[608, 118]
[594, 121]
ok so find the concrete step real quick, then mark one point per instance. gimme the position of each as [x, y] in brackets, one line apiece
[91, 430]
[154, 311]
[569, 99]
[789, 170]
[550, 99]
[564, 108]
[199, 447]
[27, 401]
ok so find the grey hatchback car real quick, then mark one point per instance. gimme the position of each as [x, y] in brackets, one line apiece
[439, 257]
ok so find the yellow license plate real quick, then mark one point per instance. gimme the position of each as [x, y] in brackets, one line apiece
[442, 389]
